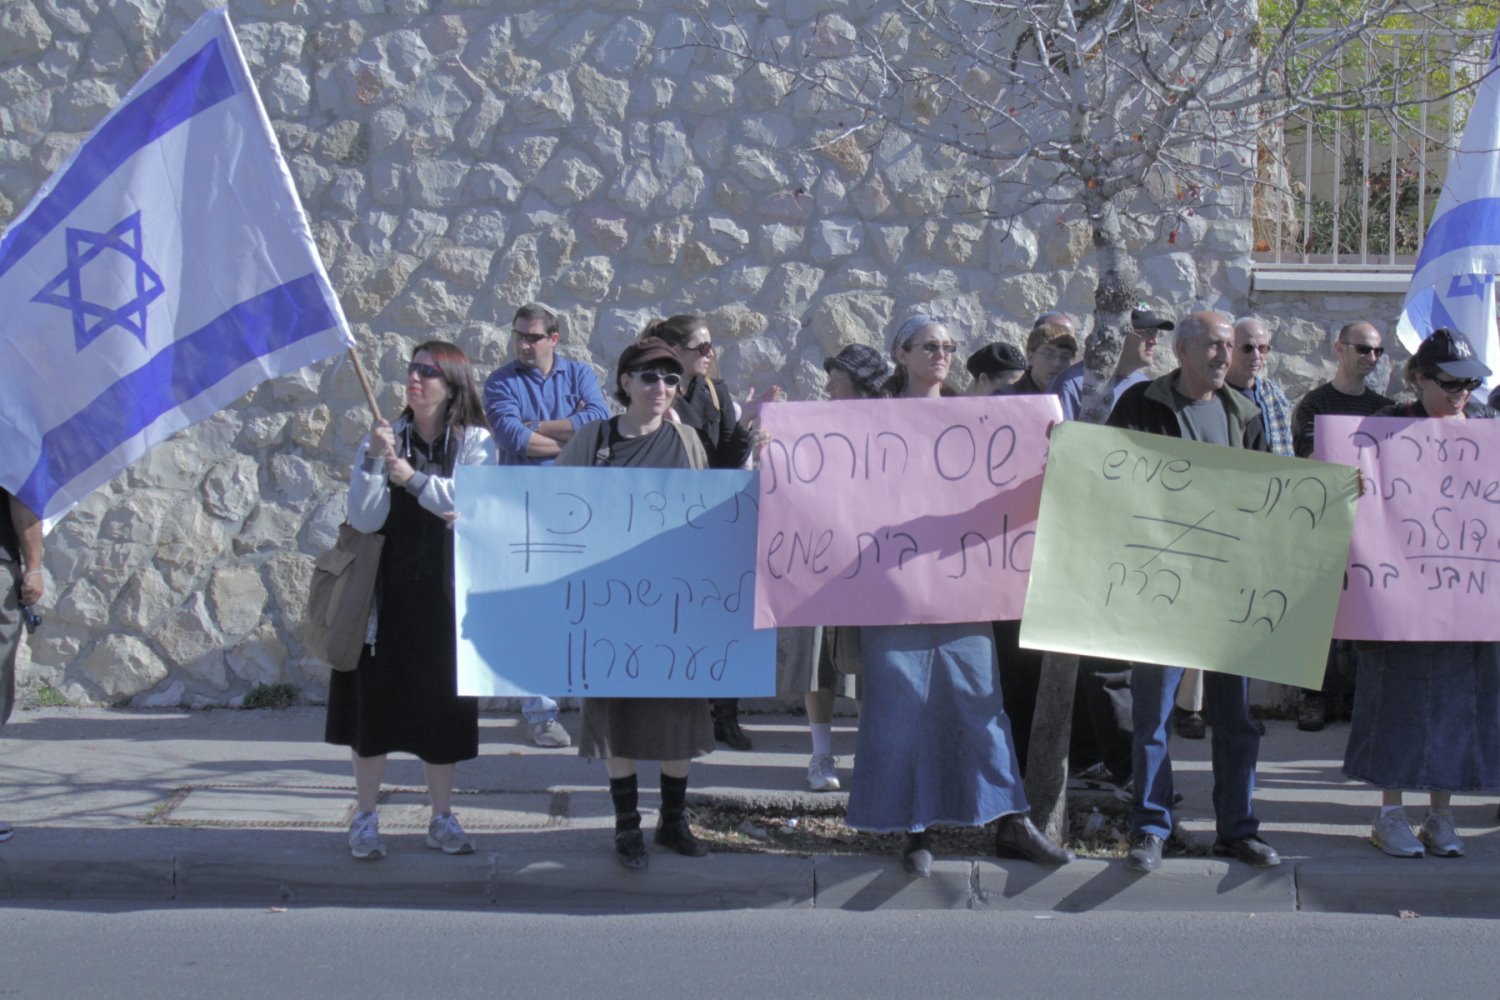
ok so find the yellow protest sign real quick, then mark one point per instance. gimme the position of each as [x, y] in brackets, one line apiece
[1185, 554]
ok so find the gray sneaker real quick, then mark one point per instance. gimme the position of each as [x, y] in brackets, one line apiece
[1439, 836]
[823, 773]
[6, 832]
[1392, 834]
[444, 834]
[550, 735]
[364, 837]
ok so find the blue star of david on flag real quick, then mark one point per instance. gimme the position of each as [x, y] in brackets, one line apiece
[177, 210]
[66, 290]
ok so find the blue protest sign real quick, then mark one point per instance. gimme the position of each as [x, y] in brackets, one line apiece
[627, 583]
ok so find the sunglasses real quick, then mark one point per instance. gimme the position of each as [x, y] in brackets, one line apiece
[1255, 348]
[426, 371]
[671, 380]
[932, 347]
[703, 350]
[531, 338]
[1456, 385]
[1363, 349]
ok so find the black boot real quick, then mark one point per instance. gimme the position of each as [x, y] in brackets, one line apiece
[630, 846]
[916, 855]
[672, 830]
[727, 724]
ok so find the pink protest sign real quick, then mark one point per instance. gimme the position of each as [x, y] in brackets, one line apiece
[1424, 563]
[896, 511]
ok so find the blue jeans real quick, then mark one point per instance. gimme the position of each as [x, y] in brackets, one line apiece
[1236, 746]
[539, 709]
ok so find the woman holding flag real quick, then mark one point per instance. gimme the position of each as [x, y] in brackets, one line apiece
[403, 696]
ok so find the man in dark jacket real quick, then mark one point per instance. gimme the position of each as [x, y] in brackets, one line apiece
[1193, 402]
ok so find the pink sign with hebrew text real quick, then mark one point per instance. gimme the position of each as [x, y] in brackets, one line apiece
[1424, 563]
[896, 511]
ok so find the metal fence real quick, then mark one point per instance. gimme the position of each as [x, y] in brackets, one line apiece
[1356, 189]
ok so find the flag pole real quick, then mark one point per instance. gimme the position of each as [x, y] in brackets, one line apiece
[364, 382]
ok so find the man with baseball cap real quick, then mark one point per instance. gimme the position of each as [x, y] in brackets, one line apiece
[1136, 355]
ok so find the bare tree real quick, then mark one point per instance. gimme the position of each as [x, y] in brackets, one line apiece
[1130, 114]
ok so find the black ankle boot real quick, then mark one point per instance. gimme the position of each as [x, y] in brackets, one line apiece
[672, 830]
[916, 856]
[727, 724]
[630, 845]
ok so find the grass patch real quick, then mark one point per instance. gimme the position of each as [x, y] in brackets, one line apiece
[50, 697]
[271, 696]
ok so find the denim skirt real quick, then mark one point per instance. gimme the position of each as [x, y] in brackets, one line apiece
[1426, 716]
[934, 744]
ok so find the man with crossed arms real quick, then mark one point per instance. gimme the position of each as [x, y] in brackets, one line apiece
[534, 405]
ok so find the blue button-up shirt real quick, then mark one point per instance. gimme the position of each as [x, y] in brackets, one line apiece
[516, 394]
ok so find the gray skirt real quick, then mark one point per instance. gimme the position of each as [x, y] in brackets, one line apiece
[646, 728]
[817, 658]
[1426, 716]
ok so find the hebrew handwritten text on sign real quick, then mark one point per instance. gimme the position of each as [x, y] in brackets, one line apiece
[608, 582]
[1186, 554]
[1425, 560]
[895, 511]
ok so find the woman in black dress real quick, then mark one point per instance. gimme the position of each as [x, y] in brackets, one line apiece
[403, 696]
[704, 404]
[625, 730]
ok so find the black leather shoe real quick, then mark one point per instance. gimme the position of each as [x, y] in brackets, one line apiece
[1145, 853]
[727, 725]
[1189, 725]
[630, 850]
[915, 857]
[728, 731]
[1251, 850]
[676, 835]
[1017, 837]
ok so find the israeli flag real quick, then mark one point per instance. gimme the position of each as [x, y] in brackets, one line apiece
[166, 269]
[1453, 284]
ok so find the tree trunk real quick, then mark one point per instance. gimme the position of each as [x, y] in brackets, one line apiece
[1052, 726]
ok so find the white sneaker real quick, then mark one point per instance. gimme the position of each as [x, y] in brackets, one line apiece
[1392, 834]
[823, 773]
[444, 834]
[364, 837]
[1439, 836]
[550, 735]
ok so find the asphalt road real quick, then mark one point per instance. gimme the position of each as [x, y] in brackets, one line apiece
[172, 952]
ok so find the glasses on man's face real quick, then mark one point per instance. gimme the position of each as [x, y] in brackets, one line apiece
[1255, 348]
[670, 379]
[1364, 349]
[531, 338]
[426, 371]
[704, 349]
[1453, 386]
[1054, 354]
[933, 347]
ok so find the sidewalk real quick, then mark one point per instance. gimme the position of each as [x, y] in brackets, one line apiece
[227, 807]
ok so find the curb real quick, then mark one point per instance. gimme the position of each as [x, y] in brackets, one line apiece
[593, 882]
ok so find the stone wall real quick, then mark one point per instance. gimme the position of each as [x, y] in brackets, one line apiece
[1304, 326]
[458, 157]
